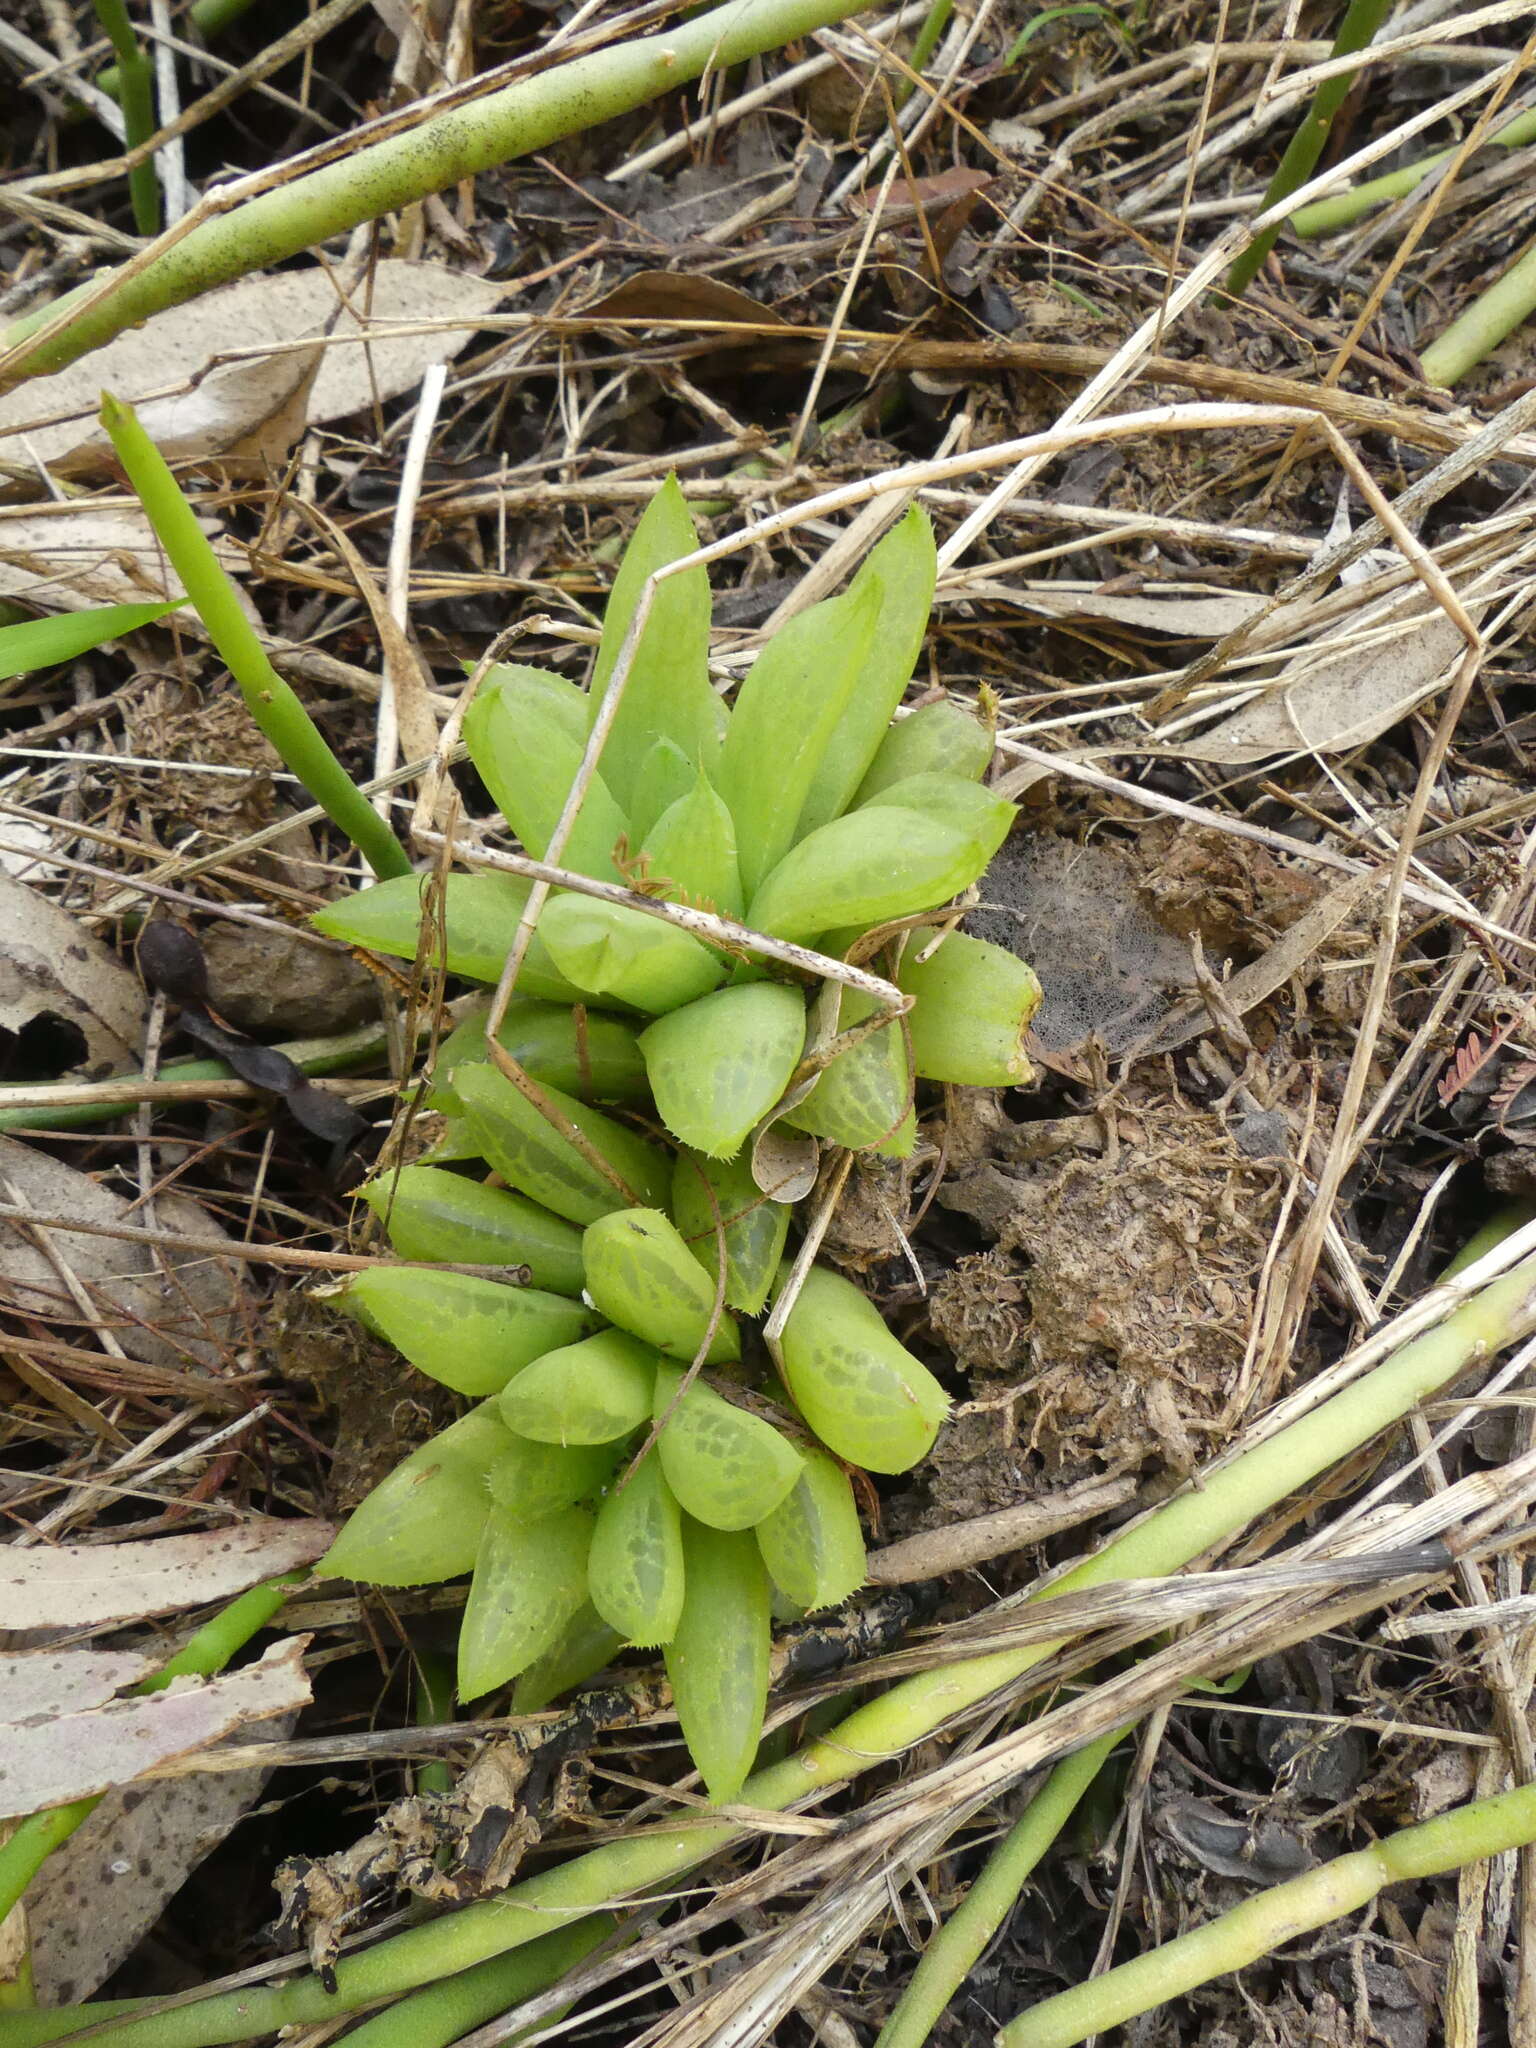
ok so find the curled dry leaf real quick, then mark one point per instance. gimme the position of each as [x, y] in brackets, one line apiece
[67, 1005]
[76, 1756]
[1186, 616]
[78, 553]
[98, 1895]
[97, 1585]
[163, 1305]
[36, 1682]
[1326, 703]
[210, 410]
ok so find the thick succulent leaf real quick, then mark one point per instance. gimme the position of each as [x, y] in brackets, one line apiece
[863, 1097]
[527, 758]
[905, 563]
[965, 806]
[635, 1572]
[530, 1580]
[784, 716]
[720, 1064]
[585, 1646]
[589, 1393]
[864, 1394]
[938, 739]
[755, 1228]
[718, 1660]
[533, 1157]
[532, 1479]
[811, 1542]
[468, 1333]
[643, 1277]
[666, 773]
[609, 950]
[587, 1053]
[560, 699]
[480, 916]
[667, 696]
[727, 1467]
[443, 1217]
[871, 865]
[692, 848]
[973, 1004]
[422, 1522]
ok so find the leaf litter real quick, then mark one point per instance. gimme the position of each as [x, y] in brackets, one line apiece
[1092, 1265]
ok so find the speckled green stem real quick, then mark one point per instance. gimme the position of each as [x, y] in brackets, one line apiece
[366, 181]
[1260, 1925]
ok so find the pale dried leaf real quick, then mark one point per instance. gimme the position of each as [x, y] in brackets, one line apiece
[79, 1006]
[1329, 703]
[162, 1305]
[98, 1585]
[1188, 617]
[206, 411]
[73, 555]
[58, 1681]
[78, 1755]
[785, 1162]
[96, 1898]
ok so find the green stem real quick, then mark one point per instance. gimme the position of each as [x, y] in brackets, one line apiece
[1340, 209]
[1260, 1925]
[209, 1650]
[1361, 20]
[268, 698]
[314, 1055]
[208, 18]
[445, 2012]
[956, 1948]
[136, 94]
[433, 1701]
[1173, 1537]
[365, 180]
[1483, 325]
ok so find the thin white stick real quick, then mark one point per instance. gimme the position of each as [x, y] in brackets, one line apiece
[171, 157]
[397, 580]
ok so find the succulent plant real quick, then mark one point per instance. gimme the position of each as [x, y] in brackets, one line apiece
[630, 1475]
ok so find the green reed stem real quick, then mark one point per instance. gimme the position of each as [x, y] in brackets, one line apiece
[362, 182]
[1361, 20]
[956, 1948]
[1341, 209]
[270, 701]
[1260, 1925]
[136, 95]
[1478, 330]
[206, 18]
[445, 2012]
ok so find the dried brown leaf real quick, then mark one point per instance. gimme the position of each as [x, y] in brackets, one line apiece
[95, 1898]
[1327, 703]
[162, 1305]
[97, 1585]
[210, 406]
[55, 1681]
[76, 1756]
[69, 1003]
